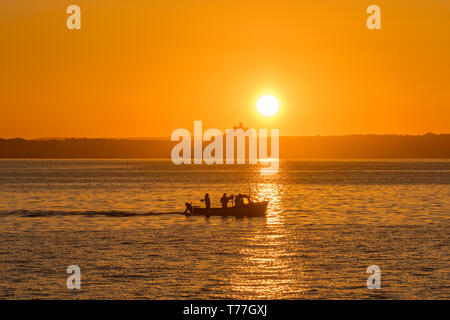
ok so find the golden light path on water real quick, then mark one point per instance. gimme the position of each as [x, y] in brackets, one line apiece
[267, 269]
[326, 222]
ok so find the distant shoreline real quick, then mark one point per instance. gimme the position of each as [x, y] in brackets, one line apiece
[429, 146]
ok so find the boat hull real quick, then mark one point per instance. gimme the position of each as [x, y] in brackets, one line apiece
[254, 209]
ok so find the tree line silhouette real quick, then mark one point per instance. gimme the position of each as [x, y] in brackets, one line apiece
[432, 146]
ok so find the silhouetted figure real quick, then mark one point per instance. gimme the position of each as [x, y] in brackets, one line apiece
[224, 201]
[207, 201]
[239, 201]
[188, 207]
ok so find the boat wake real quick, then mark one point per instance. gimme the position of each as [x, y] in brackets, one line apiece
[42, 213]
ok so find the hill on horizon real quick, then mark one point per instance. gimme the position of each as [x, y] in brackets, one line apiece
[367, 146]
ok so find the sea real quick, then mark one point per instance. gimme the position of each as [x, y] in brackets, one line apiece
[329, 224]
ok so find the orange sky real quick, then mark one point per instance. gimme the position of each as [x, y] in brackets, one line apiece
[144, 68]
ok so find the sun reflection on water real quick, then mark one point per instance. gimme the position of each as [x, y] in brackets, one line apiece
[269, 166]
[273, 193]
[266, 268]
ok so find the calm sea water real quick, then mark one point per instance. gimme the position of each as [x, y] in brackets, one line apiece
[327, 222]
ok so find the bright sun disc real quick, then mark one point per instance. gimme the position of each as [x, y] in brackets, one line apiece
[267, 105]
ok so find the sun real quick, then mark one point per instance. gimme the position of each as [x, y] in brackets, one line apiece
[267, 105]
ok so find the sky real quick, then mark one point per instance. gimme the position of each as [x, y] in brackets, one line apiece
[145, 68]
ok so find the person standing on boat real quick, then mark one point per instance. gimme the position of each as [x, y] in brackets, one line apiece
[207, 201]
[224, 201]
[189, 208]
[239, 201]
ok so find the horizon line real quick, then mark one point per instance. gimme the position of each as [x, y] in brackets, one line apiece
[168, 137]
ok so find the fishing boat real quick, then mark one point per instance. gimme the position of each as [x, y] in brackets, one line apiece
[251, 209]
